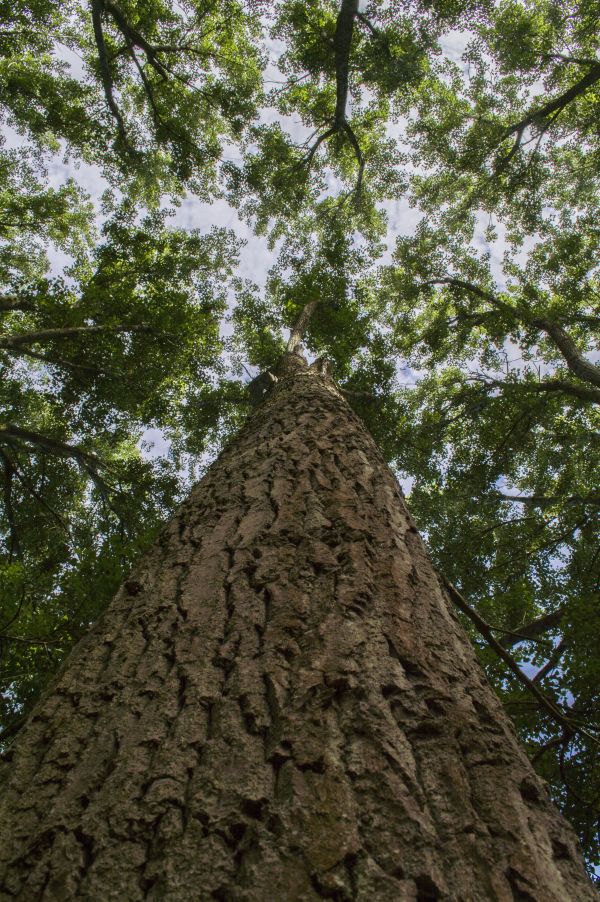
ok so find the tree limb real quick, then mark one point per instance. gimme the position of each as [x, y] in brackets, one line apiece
[534, 628]
[546, 500]
[10, 302]
[359, 395]
[365, 21]
[13, 729]
[14, 341]
[342, 41]
[301, 324]
[576, 362]
[87, 460]
[557, 104]
[483, 628]
[551, 663]
[133, 36]
[548, 385]
[31, 641]
[9, 472]
[359, 157]
[472, 289]
[105, 73]
[582, 368]
[61, 362]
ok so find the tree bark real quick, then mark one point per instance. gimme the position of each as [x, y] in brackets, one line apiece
[280, 704]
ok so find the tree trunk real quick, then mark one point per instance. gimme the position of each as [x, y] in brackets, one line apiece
[280, 704]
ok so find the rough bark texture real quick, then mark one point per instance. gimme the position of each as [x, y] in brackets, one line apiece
[280, 705]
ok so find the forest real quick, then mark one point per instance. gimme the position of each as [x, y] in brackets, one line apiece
[416, 183]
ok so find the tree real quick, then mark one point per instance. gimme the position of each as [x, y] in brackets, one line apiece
[497, 427]
[281, 703]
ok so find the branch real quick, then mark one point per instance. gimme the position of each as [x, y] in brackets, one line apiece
[133, 36]
[473, 289]
[551, 663]
[87, 460]
[359, 395]
[12, 729]
[578, 60]
[10, 302]
[313, 149]
[582, 368]
[300, 326]
[37, 438]
[9, 472]
[342, 41]
[549, 385]
[535, 628]
[48, 642]
[483, 628]
[557, 104]
[553, 743]
[13, 341]
[359, 157]
[576, 362]
[105, 73]
[365, 21]
[546, 500]
[61, 362]
[501, 164]
[29, 487]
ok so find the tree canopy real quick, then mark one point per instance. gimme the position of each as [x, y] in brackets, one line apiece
[425, 175]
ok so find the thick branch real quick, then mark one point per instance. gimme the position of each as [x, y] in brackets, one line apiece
[342, 41]
[576, 362]
[549, 385]
[9, 472]
[13, 729]
[359, 156]
[105, 73]
[315, 146]
[365, 21]
[359, 395]
[551, 663]
[59, 361]
[547, 500]
[25, 338]
[503, 162]
[11, 434]
[557, 104]
[476, 290]
[25, 641]
[87, 460]
[133, 36]
[10, 302]
[300, 326]
[535, 628]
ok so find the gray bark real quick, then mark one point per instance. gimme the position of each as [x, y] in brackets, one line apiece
[280, 704]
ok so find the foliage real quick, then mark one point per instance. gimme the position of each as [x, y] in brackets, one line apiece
[469, 348]
[161, 86]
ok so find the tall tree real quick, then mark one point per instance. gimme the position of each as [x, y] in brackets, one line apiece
[371, 101]
[280, 703]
